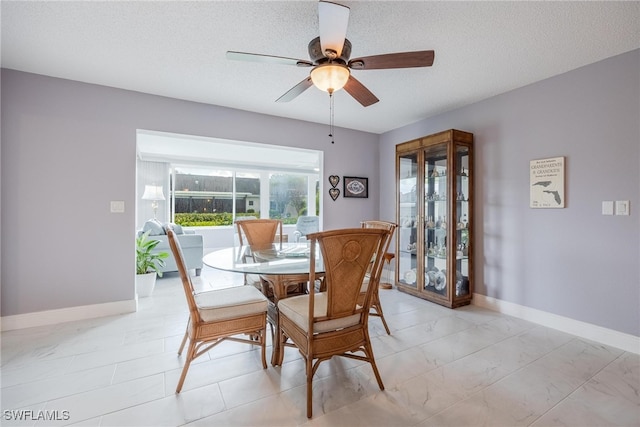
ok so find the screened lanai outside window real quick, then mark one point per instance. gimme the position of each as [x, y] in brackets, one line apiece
[287, 196]
[219, 197]
[212, 182]
[204, 197]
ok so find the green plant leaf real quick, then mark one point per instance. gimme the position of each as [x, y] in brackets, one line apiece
[146, 261]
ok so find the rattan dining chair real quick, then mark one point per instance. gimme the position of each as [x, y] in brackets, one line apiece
[262, 234]
[376, 306]
[333, 323]
[219, 315]
[258, 234]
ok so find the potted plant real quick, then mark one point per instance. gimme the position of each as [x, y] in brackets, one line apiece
[148, 264]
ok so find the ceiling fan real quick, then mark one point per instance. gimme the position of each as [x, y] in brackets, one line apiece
[330, 53]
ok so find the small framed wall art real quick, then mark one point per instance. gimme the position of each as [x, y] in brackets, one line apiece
[546, 183]
[355, 187]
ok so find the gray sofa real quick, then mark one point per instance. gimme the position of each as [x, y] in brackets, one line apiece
[190, 242]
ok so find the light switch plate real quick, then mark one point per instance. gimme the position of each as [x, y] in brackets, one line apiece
[622, 207]
[607, 208]
[117, 206]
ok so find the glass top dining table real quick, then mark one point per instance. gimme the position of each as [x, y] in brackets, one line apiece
[288, 259]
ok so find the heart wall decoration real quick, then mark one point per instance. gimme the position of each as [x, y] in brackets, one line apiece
[334, 180]
[334, 193]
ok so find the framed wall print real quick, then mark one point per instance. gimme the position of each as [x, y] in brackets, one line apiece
[355, 187]
[546, 183]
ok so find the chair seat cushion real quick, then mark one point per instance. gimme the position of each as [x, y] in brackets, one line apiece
[297, 309]
[230, 303]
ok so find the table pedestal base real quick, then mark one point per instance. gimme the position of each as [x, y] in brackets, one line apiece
[277, 287]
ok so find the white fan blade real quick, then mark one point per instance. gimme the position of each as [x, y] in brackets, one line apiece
[333, 19]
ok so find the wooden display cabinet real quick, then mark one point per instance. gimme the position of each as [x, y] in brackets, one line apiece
[434, 211]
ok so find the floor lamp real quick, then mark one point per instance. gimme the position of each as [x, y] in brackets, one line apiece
[153, 193]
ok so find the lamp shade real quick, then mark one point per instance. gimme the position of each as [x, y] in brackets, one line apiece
[153, 192]
[330, 77]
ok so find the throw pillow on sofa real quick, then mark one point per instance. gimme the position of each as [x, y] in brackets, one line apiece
[177, 228]
[154, 227]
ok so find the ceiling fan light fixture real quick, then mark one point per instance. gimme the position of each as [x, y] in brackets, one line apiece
[330, 77]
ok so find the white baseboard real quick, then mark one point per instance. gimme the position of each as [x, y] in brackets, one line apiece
[620, 340]
[51, 317]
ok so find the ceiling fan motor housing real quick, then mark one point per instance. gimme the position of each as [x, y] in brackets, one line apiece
[318, 56]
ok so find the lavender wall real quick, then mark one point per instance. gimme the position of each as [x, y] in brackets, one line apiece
[69, 148]
[573, 262]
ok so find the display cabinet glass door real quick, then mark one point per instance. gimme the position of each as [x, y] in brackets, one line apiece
[435, 212]
[463, 215]
[407, 262]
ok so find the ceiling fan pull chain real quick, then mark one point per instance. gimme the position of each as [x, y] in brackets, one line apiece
[331, 116]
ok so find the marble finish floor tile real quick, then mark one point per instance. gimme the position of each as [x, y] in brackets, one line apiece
[440, 367]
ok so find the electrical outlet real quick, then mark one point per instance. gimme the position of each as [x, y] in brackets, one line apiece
[622, 207]
[117, 206]
[607, 208]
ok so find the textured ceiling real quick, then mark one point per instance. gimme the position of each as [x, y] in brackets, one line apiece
[177, 49]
